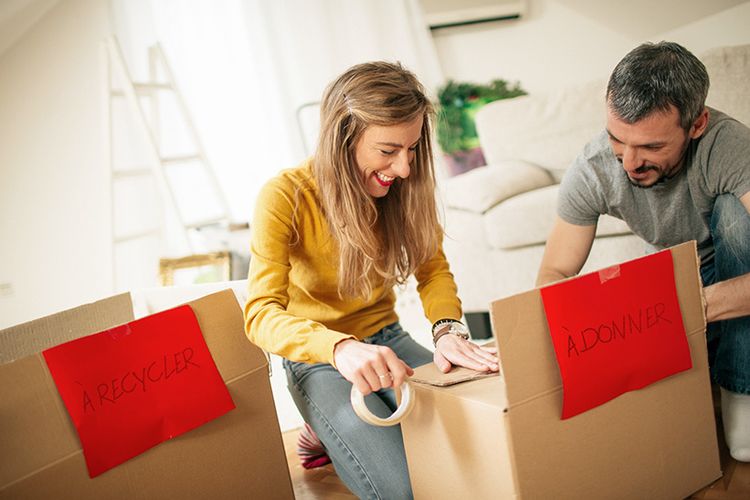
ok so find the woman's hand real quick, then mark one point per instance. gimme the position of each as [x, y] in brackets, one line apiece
[369, 367]
[453, 350]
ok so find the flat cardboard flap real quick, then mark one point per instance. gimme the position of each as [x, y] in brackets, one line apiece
[220, 317]
[527, 356]
[430, 374]
[35, 336]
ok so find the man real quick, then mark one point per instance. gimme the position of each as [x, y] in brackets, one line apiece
[674, 170]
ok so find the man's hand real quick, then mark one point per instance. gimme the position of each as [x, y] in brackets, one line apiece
[567, 249]
[453, 350]
[369, 367]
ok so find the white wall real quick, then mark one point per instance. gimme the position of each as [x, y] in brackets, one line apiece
[554, 45]
[730, 27]
[54, 199]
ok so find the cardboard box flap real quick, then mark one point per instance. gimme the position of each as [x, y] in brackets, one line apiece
[430, 374]
[35, 428]
[525, 348]
[35, 336]
[34, 425]
[689, 287]
[430, 378]
[527, 359]
[220, 318]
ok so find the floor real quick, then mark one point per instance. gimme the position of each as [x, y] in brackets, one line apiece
[324, 483]
[735, 484]
[311, 484]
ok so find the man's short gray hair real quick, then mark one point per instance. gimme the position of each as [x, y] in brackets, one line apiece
[654, 76]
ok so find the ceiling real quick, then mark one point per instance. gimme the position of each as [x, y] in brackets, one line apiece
[17, 16]
[664, 15]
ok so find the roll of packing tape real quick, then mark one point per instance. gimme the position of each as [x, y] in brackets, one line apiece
[360, 408]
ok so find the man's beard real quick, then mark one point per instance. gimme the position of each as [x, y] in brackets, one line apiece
[662, 176]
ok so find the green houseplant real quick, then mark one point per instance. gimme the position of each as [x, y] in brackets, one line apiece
[456, 132]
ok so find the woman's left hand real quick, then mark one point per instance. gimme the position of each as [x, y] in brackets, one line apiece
[453, 350]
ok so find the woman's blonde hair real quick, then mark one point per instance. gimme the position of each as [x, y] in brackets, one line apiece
[389, 236]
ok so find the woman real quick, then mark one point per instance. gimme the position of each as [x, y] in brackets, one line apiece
[330, 240]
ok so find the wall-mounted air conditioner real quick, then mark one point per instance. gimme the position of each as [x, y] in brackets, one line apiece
[448, 13]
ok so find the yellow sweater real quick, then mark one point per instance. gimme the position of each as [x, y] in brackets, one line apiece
[293, 308]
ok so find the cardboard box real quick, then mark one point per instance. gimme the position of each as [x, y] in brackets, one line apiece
[502, 437]
[237, 455]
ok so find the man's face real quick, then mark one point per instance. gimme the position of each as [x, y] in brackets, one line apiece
[651, 149]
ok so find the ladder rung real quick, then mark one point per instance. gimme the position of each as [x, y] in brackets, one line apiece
[172, 160]
[147, 93]
[135, 236]
[206, 222]
[144, 89]
[131, 172]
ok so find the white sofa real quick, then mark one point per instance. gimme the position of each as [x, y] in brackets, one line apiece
[497, 217]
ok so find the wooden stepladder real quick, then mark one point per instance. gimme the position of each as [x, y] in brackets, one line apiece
[188, 196]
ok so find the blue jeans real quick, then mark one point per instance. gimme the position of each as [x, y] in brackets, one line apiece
[729, 340]
[369, 460]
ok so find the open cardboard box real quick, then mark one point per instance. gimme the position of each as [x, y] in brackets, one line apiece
[237, 455]
[502, 437]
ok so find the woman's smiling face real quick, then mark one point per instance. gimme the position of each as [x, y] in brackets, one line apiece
[385, 153]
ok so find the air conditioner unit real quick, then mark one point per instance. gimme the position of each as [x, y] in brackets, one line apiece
[448, 13]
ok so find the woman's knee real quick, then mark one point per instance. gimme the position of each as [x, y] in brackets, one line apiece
[370, 461]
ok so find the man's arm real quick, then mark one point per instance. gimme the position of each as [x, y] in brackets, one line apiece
[567, 249]
[731, 298]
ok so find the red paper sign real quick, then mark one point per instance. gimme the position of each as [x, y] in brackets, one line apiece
[130, 388]
[616, 330]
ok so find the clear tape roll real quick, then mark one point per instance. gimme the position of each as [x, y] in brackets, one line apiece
[403, 410]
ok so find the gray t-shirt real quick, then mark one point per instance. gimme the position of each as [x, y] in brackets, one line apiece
[671, 212]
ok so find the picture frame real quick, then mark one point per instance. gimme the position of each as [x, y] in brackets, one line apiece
[196, 268]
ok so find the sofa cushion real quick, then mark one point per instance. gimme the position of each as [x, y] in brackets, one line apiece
[728, 69]
[527, 219]
[482, 188]
[547, 129]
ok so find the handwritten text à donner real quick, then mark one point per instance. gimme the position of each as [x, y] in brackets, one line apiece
[620, 329]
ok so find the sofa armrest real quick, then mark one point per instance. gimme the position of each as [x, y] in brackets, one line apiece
[484, 187]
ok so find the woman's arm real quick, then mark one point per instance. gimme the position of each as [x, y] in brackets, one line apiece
[268, 324]
[438, 292]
